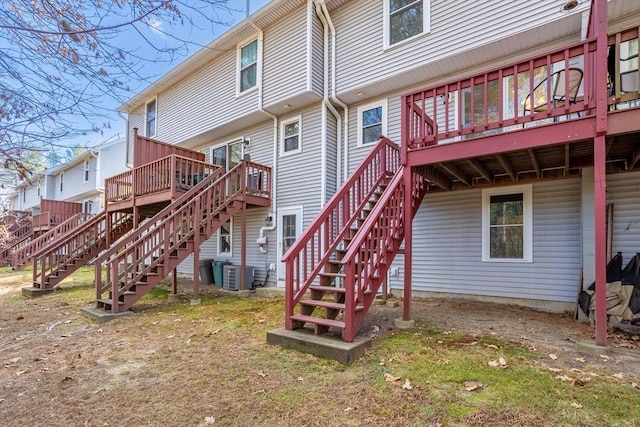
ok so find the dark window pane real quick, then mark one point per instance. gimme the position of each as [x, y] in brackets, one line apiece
[406, 23]
[371, 134]
[506, 209]
[372, 117]
[291, 143]
[248, 78]
[249, 54]
[507, 242]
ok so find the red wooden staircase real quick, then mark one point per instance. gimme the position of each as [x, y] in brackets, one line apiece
[138, 262]
[59, 258]
[335, 268]
[23, 254]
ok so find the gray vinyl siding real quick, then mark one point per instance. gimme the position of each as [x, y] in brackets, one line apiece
[448, 247]
[112, 161]
[299, 174]
[455, 28]
[203, 100]
[285, 57]
[74, 184]
[623, 190]
[317, 56]
[255, 258]
[260, 151]
[136, 120]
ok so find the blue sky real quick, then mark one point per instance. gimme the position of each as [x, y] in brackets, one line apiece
[160, 33]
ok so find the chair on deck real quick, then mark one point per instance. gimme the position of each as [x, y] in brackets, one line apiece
[560, 92]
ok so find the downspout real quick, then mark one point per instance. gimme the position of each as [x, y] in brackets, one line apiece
[262, 240]
[327, 105]
[334, 97]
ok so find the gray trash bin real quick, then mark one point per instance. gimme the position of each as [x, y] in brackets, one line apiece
[218, 272]
[206, 271]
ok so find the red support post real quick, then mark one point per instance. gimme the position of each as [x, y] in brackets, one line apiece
[408, 239]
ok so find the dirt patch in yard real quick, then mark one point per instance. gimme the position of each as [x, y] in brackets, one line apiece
[172, 364]
[553, 335]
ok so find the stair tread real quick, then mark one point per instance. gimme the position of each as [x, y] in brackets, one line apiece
[318, 320]
[109, 301]
[328, 274]
[327, 304]
[327, 288]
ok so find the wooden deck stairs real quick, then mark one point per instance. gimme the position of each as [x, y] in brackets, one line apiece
[62, 256]
[148, 255]
[23, 254]
[336, 267]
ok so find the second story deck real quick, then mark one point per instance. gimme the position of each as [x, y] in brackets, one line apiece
[532, 119]
[163, 172]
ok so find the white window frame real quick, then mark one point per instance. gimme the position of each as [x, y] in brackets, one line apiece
[219, 235]
[61, 183]
[370, 106]
[239, 68]
[87, 203]
[283, 124]
[87, 169]
[527, 234]
[226, 145]
[426, 24]
[146, 118]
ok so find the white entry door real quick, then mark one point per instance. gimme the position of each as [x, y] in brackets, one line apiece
[289, 228]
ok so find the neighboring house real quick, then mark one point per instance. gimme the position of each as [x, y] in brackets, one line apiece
[58, 193]
[501, 112]
[82, 178]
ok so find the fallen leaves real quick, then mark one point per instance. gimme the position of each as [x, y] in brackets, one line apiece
[553, 356]
[500, 363]
[576, 405]
[472, 386]
[390, 378]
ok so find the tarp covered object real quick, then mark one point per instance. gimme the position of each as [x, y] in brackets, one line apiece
[623, 291]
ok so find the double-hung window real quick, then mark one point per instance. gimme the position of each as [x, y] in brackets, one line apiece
[507, 224]
[372, 122]
[87, 165]
[225, 239]
[150, 118]
[291, 132]
[405, 19]
[61, 182]
[248, 66]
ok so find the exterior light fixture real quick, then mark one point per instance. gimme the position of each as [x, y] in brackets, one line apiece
[570, 5]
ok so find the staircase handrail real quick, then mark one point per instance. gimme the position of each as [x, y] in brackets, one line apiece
[48, 260]
[335, 220]
[148, 236]
[34, 247]
[384, 224]
[169, 209]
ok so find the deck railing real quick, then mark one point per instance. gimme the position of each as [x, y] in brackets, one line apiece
[310, 252]
[151, 244]
[373, 249]
[548, 88]
[48, 220]
[72, 246]
[21, 255]
[173, 173]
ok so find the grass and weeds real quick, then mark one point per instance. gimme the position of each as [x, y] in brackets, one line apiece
[208, 364]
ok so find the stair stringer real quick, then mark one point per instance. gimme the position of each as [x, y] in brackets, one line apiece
[61, 258]
[148, 255]
[156, 271]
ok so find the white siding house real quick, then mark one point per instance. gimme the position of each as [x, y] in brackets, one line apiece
[325, 72]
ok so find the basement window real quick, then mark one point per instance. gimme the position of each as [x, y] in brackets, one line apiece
[507, 224]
